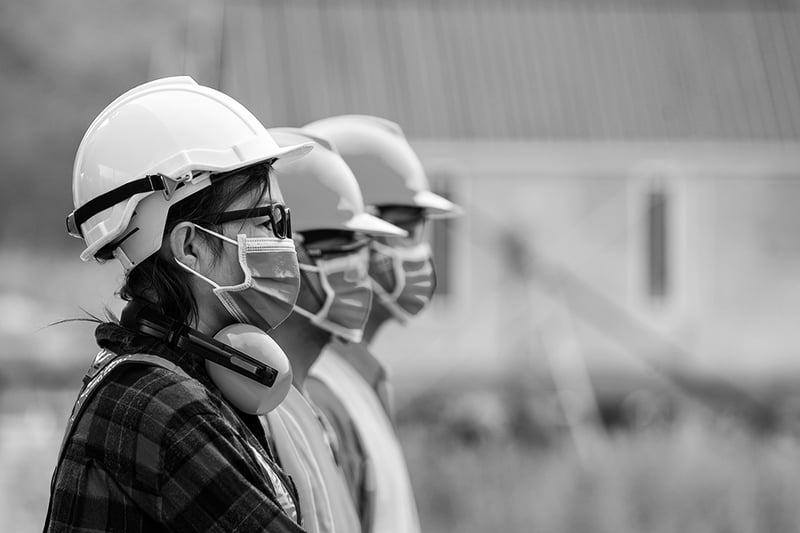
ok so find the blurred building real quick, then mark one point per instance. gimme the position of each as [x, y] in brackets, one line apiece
[629, 168]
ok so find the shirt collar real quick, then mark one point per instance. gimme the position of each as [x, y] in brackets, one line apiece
[122, 341]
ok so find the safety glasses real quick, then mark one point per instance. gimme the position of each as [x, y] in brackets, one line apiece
[279, 219]
[320, 243]
[411, 219]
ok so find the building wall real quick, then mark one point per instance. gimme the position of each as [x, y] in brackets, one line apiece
[534, 69]
[552, 255]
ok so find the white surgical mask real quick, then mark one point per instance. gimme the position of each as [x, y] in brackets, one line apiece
[403, 277]
[271, 280]
[348, 294]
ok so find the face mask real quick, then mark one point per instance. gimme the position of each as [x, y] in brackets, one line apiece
[271, 280]
[348, 294]
[403, 277]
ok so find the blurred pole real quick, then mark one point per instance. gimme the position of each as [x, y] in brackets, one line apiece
[554, 325]
[573, 385]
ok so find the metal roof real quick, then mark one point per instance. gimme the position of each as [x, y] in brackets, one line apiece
[573, 69]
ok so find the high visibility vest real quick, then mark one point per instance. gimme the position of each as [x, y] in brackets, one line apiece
[389, 496]
[304, 449]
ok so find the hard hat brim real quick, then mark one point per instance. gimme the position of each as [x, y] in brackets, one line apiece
[288, 154]
[436, 206]
[374, 226]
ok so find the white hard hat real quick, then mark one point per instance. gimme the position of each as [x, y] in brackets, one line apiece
[321, 190]
[150, 148]
[387, 169]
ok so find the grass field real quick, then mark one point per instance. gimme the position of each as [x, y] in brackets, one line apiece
[695, 475]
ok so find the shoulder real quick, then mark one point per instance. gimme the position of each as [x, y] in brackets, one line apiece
[330, 405]
[146, 400]
[155, 388]
[136, 415]
[358, 358]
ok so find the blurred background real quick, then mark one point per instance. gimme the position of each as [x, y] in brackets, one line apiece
[614, 343]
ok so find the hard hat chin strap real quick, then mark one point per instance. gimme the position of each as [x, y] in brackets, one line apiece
[150, 183]
[120, 255]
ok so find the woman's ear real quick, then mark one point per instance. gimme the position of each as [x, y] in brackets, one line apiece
[185, 245]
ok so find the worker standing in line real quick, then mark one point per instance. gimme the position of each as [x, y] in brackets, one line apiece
[173, 179]
[348, 383]
[332, 233]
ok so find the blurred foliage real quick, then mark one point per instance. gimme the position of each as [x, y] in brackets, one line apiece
[694, 474]
[60, 64]
[691, 473]
[36, 345]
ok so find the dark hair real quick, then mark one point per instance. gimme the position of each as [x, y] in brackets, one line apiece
[162, 282]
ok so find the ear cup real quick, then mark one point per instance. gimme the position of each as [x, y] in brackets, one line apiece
[256, 375]
[246, 394]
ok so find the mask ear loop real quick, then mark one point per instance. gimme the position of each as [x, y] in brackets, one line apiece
[389, 299]
[321, 318]
[397, 270]
[314, 286]
[190, 270]
[218, 235]
[198, 274]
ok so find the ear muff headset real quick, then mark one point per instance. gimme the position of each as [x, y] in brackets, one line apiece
[249, 367]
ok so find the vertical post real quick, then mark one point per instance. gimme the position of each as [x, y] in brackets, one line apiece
[574, 389]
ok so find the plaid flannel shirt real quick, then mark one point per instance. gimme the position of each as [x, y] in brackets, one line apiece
[158, 451]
